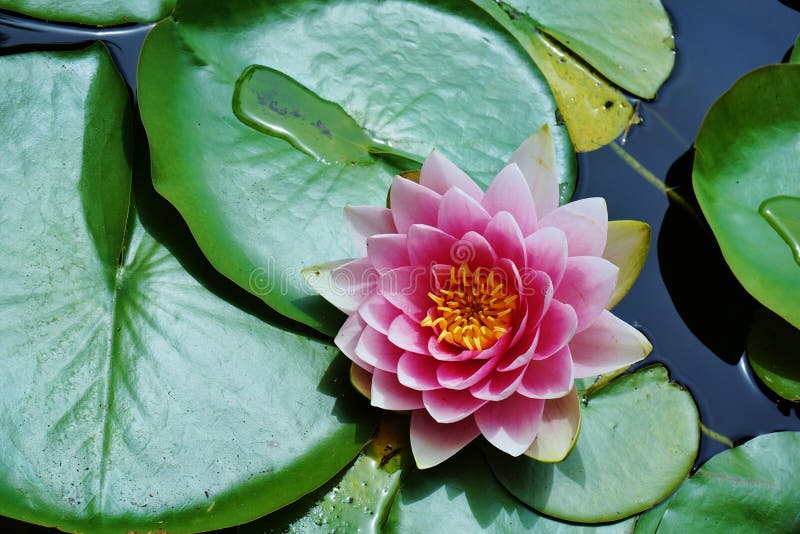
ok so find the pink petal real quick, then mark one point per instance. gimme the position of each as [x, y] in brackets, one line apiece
[376, 350]
[388, 251]
[546, 250]
[506, 238]
[347, 339]
[474, 250]
[460, 213]
[537, 290]
[462, 375]
[585, 223]
[387, 393]
[521, 352]
[608, 344]
[432, 442]
[587, 286]
[510, 192]
[440, 174]
[407, 334]
[364, 221]
[549, 378]
[450, 405]
[499, 385]
[378, 312]
[413, 204]
[429, 246]
[407, 289]
[418, 371]
[536, 159]
[511, 425]
[557, 328]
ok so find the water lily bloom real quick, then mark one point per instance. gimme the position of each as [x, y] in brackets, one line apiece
[476, 311]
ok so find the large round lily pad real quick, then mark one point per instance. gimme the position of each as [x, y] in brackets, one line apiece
[94, 12]
[262, 210]
[751, 488]
[132, 397]
[639, 439]
[747, 153]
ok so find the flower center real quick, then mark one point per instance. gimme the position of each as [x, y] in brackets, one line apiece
[473, 310]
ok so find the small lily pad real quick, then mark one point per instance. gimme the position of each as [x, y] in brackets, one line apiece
[639, 438]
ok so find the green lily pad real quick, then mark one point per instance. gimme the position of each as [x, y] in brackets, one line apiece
[773, 350]
[132, 397]
[639, 439]
[262, 210]
[92, 12]
[463, 495]
[751, 488]
[747, 153]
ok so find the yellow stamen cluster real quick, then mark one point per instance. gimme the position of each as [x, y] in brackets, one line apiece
[473, 310]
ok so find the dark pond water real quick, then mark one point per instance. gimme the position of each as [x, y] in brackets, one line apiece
[686, 300]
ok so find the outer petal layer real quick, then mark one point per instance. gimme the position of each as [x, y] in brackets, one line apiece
[511, 425]
[440, 175]
[536, 158]
[585, 222]
[558, 431]
[364, 221]
[608, 344]
[432, 442]
[510, 192]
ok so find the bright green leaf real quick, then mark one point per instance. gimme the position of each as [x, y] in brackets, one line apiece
[132, 397]
[639, 438]
[92, 12]
[751, 488]
[262, 210]
[795, 57]
[747, 152]
[773, 350]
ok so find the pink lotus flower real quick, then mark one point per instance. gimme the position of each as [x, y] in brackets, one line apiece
[476, 311]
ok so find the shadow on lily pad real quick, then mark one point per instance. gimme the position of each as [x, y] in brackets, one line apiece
[709, 299]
